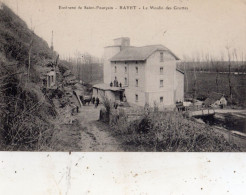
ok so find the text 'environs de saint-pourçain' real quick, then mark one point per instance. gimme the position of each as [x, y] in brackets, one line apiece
[123, 7]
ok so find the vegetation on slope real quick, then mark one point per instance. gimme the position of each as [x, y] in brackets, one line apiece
[16, 37]
[25, 112]
[169, 132]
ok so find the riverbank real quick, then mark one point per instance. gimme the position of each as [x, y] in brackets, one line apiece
[231, 123]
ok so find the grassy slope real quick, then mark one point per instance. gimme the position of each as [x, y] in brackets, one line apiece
[15, 38]
[169, 132]
[25, 112]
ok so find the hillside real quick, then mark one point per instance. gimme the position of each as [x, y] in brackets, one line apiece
[15, 39]
[30, 113]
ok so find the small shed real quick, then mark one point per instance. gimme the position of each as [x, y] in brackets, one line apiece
[215, 100]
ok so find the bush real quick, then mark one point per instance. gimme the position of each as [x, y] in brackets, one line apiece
[170, 131]
[107, 105]
[25, 113]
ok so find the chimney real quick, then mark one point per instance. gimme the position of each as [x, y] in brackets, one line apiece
[122, 41]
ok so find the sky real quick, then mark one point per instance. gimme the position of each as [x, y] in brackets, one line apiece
[207, 27]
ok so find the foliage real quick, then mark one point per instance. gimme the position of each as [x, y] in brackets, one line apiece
[170, 131]
[64, 66]
[24, 122]
[25, 112]
[15, 39]
[106, 103]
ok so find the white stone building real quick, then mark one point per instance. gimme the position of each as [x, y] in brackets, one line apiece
[141, 75]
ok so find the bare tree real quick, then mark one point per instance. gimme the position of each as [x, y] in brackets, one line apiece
[195, 60]
[78, 57]
[87, 59]
[243, 64]
[229, 71]
[215, 65]
[185, 71]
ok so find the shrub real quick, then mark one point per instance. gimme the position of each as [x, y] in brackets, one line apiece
[25, 113]
[107, 105]
[170, 131]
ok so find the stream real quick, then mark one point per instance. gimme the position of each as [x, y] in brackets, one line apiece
[230, 121]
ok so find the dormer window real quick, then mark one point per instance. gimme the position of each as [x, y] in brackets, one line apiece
[161, 57]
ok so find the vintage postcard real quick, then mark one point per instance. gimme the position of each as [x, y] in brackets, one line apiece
[147, 80]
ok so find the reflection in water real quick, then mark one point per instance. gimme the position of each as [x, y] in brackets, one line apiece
[228, 121]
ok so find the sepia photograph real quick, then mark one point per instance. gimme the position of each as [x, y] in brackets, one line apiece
[122, 97]
[166, 76]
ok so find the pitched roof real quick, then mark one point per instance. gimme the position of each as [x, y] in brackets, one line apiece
[213, 97]
[139, 53]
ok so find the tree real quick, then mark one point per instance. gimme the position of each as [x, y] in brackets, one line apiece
[185, 71]
[215, 65]
[229, 71]
[195, 60]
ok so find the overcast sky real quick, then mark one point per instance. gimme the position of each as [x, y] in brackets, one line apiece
[207, 27]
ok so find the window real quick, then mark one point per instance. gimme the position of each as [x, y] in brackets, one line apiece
[125, 69]
[161, 57]
[115, 69]
[136, 97]
[136, 70]
[52, 78]
[136, 82]
[161, 99]
[125, 81]
[161, 70]
[161, 83]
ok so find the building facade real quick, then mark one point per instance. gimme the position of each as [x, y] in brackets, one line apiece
[215, 100]
[143, 75]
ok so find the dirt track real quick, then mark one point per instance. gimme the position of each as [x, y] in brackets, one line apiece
[95, 135]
